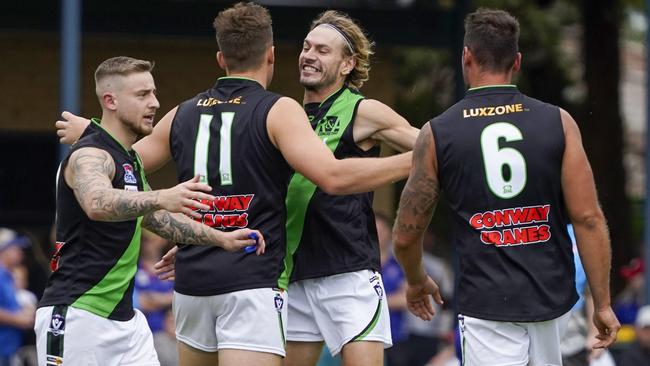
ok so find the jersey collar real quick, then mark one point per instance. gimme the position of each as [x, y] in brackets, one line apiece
[506, 88]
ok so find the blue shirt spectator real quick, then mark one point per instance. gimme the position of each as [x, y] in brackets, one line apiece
[393, 279]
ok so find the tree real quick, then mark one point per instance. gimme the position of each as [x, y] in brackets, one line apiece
[601, 123]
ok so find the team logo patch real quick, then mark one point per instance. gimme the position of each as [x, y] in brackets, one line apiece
[379, 290]
[53, 360]
[279, 302]
[54, 261]
[129, 177]
[57, 324]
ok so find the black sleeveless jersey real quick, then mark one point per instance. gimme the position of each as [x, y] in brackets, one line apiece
[499, 158]
[221, 135]
[95, 262]
[330, 234]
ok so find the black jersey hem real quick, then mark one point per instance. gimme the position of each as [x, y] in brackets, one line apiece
[116, 317]
[519, 318]
[336, 271]
[189, 291]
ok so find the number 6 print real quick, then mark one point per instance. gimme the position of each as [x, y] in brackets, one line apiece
[494, 158]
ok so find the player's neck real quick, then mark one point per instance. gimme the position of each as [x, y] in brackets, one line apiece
[319, 95]
[488, 79]
[258, 75]
[118, 130]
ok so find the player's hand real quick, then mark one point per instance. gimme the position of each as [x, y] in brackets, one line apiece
[418, 298]
[186, 198]
[70, 127]
[607, 326]
[239, 239]
[165, 268]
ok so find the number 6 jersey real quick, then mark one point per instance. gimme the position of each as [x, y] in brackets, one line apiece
[221, 135]
[499, 157]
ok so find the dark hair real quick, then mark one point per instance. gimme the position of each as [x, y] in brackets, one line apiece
[121, 65]
[243, 34]
[361, 46]
[492, 36]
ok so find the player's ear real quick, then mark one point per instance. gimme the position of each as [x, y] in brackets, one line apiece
[270, 55]
[348, 65]
[468, 57]
[221, 61]
[516, 65]
[109, 101]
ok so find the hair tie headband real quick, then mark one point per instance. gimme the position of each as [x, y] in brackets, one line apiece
[339, 31]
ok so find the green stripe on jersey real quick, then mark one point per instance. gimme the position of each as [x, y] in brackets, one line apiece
[107, 294]
[329, 129]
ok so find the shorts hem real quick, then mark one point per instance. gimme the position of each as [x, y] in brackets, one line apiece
[195, 344]
[305, 338]
[247, 347]
[386, 342]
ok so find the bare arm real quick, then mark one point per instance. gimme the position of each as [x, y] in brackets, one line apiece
[291, 133]
[154, 149]
[89, 173]
[376, 121]
[22, 319]
[591, 232]
[416, 206]
[181, 229]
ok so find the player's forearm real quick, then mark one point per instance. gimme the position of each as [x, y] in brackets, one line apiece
[118, 205]
[179, 228]
[595, 253]
[357, 175]
[415, 210]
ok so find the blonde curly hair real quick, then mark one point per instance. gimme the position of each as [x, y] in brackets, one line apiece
[361, 46]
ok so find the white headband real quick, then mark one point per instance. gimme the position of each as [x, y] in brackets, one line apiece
[345, 38]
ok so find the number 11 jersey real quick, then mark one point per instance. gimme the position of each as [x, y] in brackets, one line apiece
[221, 135]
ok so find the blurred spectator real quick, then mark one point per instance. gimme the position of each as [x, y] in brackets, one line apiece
[154, 296]
[26, 355]
[13, 319]
[164, 341]
[427, 338]
[638, 353]
[627, 303]
[395, 293]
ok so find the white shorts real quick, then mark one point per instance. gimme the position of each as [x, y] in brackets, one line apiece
[339, 309]
[76, 337]
[492, 343]
[252, 320]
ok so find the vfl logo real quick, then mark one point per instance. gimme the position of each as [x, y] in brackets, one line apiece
[379, 290]
[279, 302]
[57, 324]
[129, 177]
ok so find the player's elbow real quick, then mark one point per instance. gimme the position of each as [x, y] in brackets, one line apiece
[334, 182]
[333, 187]
[95, 214]
[402, 241]
[589, 219]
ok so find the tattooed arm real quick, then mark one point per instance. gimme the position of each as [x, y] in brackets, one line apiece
[180, 228]
[418, 201]
[89, 173]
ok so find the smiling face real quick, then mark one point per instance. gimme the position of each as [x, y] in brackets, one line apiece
[322, 62]
[133, 99]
